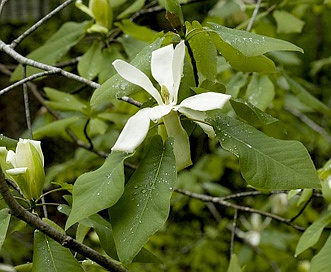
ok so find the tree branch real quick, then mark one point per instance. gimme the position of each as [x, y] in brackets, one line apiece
[65, 240]
[23, 60]
[221, 201]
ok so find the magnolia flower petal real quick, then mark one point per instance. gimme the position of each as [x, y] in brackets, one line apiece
[177, 68]
[11, 158]
[135, 76]
[161, 66]
[205, 101]
[199, 118]
[29, 154]
[134, 132]
[17, 171]
[158, 112]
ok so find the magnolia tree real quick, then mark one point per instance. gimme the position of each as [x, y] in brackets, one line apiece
[201, 118]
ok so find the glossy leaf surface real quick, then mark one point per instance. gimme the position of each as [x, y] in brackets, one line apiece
[145, 204]
[99, 189]
[266, 163]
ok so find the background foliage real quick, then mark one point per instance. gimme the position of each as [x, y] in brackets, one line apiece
[251, 200]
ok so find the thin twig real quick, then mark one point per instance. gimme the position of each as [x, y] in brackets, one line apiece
[234, 227]
[24, 80]
[2, 4]
[255, 12]
[39, 23]
[310, 123]
[221, 201]
[65, 240]
[23, 60]
[27, 104]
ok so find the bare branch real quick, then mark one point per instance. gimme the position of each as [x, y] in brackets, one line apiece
[221, 201]
[252, 20]
[23, 60]
[2, 4]
[65, 240]
[310, 123]
[39, 23]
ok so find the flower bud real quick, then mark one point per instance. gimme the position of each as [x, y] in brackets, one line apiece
[103, 13]
[25, 167]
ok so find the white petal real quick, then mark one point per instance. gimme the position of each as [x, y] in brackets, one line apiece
[161, 66]
[177, 68]
[199, 117]
[134, 132]
[11, 158]
[137, 77]
[205, 101]
[158, 112]
[17, 171]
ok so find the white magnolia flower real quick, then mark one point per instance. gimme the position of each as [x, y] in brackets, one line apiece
[166, 67]
[25, 166]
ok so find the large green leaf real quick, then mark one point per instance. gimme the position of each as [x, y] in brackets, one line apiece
[145, 204]
[64, 101]
[99, 189]
[312, 233]
[50, 256]
[203, 50]
[90, 64]
[116, 86]
[266, 163]
[253, 115]
[4, 223]
[287, 22]
[55, 128]
[322, 261]
[55, 48]
[241, 62]
[251, 44]
[139, 32]
[260, 91]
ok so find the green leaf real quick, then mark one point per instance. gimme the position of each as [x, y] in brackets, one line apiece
[99, 189]
[55, 128]
[139, 32]
[55, 48]
[173, 7]
[266, 163]
[234, 265]
[49, 255]
[260, 91]
[109, 54]
[7, 142]
[322, 261]
[117, 86]
[4, 223]
[90, 64]
[64, 101]
[287, 22]
[306, 98]
[236, 83]
[203, 50]
[312, 234]
[145, 204]
[253, 115]
[241, 62]
[251, 44]
[134, 7]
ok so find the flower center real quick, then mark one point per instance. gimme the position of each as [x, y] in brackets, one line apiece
[165, 94]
